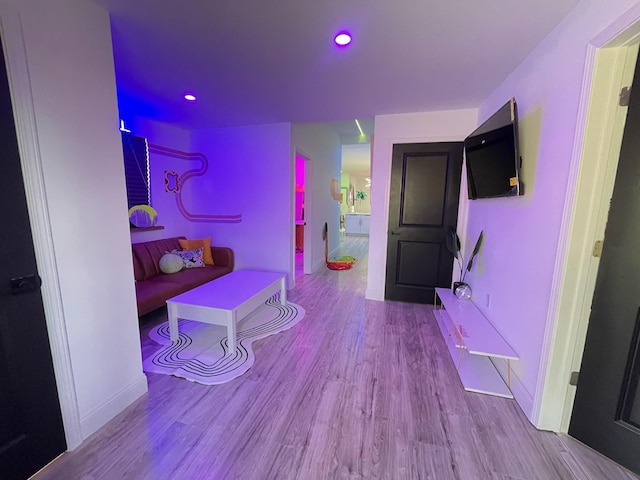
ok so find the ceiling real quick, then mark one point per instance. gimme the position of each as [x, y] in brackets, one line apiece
[255, 61]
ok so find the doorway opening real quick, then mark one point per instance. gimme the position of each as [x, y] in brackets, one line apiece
[299, 214]
[606, 410]
[302, 215]
[595, 163]
[355, 189]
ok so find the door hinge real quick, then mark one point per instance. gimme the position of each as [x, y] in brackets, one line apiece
[597, 248]
[573, 379]
[625, 95]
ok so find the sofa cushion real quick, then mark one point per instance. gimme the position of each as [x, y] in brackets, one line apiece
[150, 295]
[146, 256]
[205, 243]
[138, 268]
[191, 258]
[171, 263]
[193, 277]
[223, 256]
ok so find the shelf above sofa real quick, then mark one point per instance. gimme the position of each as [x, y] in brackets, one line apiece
[145, 229]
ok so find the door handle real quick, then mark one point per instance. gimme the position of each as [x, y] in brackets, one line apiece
[394, 233]
[26, 284]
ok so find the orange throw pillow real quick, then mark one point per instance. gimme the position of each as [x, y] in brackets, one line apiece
[205, 243]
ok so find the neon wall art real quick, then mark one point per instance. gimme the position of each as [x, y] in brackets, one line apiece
[171, 182]
[175, 183]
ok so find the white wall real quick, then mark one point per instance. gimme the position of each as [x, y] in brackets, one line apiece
[321, 144]
[521, 234]
[444, 126]
[70, 65]
[250, 172]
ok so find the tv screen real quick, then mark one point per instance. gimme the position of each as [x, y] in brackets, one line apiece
[492, 159]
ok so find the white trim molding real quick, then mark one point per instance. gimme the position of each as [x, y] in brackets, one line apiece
[99, 416]
[18, 72]
[597, 142]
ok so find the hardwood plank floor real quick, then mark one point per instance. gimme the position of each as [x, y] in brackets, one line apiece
[357, 390]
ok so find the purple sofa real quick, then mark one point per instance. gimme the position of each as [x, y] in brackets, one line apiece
[153, 287]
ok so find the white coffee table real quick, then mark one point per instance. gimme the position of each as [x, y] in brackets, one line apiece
[226, 300]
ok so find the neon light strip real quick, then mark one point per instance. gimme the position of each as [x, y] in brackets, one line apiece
[198, 172]
[359, 127]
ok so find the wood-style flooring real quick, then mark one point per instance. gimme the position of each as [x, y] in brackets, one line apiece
[357, 390]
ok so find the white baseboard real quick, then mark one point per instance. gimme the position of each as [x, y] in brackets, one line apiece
[520, 394]
[372, 294]
[318, 265]
[100, 415]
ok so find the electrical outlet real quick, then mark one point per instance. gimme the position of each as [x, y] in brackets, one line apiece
[488, 302]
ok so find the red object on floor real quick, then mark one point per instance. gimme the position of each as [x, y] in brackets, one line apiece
[339, 266]
[333, 265]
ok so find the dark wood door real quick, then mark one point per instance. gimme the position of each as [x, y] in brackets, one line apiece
[423, 205]
[31, 430]
[606, 412]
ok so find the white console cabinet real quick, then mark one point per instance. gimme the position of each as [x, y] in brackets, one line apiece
[356, 223]
[473, 342]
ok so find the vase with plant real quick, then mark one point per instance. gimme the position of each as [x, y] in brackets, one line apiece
[460, 288]
[360, 196]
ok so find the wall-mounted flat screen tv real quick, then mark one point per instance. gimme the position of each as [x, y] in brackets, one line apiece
[492, 158]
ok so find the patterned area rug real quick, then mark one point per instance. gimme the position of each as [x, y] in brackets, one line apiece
[201, 352]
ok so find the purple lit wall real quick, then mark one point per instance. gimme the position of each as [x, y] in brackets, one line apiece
[250, 172]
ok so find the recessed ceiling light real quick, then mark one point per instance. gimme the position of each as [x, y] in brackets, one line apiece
[342, 39]
[190, 97]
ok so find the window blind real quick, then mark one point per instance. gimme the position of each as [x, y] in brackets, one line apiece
[136, 169]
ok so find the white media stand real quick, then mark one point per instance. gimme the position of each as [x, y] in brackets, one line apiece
[472, 342]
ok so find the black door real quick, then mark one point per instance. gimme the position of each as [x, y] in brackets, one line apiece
[31, 430]
[423, 204]
[606, 413]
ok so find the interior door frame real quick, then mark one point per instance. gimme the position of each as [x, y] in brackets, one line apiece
[382, 211]
[609, 67]
[24, 117]
[307, 256]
